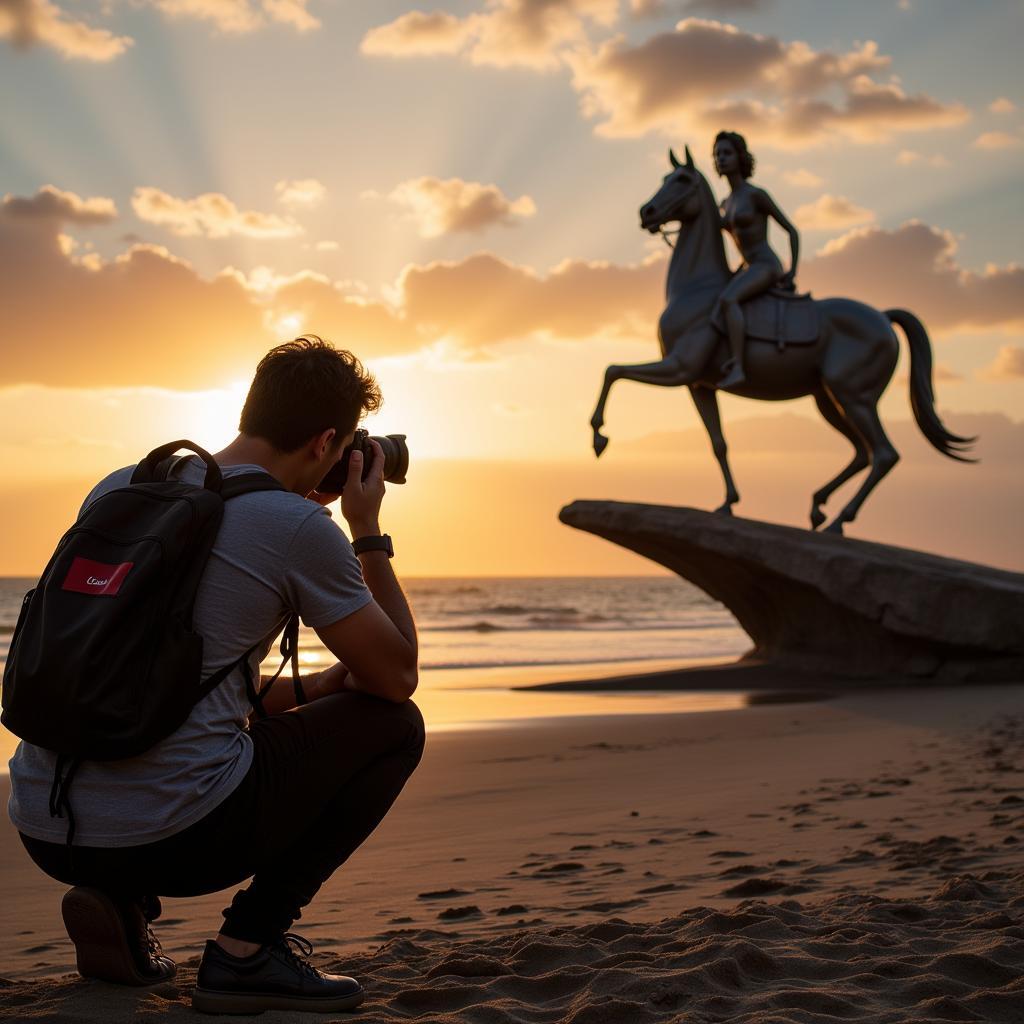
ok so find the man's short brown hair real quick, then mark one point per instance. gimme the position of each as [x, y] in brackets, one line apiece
[303, 388]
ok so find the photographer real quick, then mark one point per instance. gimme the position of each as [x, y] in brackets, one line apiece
[283, 799]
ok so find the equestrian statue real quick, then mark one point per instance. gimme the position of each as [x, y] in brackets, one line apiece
[749, 333]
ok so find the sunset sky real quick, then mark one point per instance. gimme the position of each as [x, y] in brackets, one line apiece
[452, 192]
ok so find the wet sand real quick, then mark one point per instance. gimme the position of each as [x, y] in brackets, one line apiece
[855, 857]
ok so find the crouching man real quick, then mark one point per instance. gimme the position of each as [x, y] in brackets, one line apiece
[283, 800]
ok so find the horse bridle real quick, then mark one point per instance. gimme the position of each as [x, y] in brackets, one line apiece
[675, 234]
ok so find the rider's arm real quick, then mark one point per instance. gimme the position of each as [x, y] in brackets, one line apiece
[378, 643]
[769, 206]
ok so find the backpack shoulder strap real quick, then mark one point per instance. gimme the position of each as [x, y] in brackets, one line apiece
[248, 483]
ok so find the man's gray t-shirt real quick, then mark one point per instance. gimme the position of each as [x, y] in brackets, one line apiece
[276, 552]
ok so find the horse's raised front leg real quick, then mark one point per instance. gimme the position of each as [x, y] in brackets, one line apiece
[706, 401]
[670, 372]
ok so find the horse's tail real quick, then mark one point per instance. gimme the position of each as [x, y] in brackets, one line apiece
[922, 394]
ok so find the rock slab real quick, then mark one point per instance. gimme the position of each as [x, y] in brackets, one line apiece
[816, 602]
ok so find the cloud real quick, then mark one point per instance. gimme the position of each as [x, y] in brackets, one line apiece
[30, 23]
[997, 140]
[39, 22]
[291, 12]
[211, 214]
[802, 178]
[705, 74]
[909, 157]
[577, 299]
[1007, 365]
[303, 192]
[242, 15]
[52, 204]
[649, 8]
[148, 317]
[1002, 105]
[694, 78]
[418, 34]
[915, 267]
[441, 207]
[507, 33]
[829, 212]
[143, 317]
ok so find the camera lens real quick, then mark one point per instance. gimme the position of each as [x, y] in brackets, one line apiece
[396, 461]
[396, 457]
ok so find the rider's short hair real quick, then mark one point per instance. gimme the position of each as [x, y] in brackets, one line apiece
[740, 145]
[303, 388]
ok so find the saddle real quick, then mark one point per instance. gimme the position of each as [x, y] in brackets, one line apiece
[778, 315]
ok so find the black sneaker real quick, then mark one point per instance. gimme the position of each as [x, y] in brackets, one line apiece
[113, 939]
[275, 978]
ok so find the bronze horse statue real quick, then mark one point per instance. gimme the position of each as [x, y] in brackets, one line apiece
[846, 360]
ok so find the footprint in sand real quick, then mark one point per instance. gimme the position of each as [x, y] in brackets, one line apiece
[459, 913]
[743, 869]
[441, 894]
[606, 906]
[763, 886]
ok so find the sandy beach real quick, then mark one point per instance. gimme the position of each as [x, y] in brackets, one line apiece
[856, 857]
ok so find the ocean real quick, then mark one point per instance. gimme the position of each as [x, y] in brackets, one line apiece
[479, 637]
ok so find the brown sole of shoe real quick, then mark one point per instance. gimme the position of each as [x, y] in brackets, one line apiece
[101, 946]
[211, 1001]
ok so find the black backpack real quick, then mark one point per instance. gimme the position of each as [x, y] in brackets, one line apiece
[103, 662]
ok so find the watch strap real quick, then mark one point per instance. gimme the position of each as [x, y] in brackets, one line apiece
[381, 543]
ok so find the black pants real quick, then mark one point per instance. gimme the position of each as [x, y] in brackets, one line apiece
[322, 779]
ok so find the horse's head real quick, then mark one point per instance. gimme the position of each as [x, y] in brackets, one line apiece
[677, 199]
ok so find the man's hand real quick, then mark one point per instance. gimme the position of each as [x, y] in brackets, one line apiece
[361, 499]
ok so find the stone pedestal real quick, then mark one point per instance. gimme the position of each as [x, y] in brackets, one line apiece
[820, 603]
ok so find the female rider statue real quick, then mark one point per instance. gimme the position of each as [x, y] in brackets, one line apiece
[745, 216]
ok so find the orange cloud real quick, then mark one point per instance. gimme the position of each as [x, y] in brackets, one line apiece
[1007, 365]
[908, 157]
[802, 178]
[418, 34]
[632, 89]
[441, 207]
[141, 318]
[242, 15]
[40, 23]
[1002, 105]
[997, 140]
[577, 299]
[914, 266]
[147, 317]
[652, 8]
[509, 33]
[52, 204]
[303, 192]
[829, 212]
[210, 214]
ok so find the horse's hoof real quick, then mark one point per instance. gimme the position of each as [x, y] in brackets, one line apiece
[835, 527]
[817, 518]
[600, 443]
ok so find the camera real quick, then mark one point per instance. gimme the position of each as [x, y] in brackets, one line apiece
[396, 461]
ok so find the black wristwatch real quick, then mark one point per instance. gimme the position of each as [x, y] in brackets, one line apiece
[381, 543]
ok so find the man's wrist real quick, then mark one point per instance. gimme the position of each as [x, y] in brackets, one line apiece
[364, 528]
